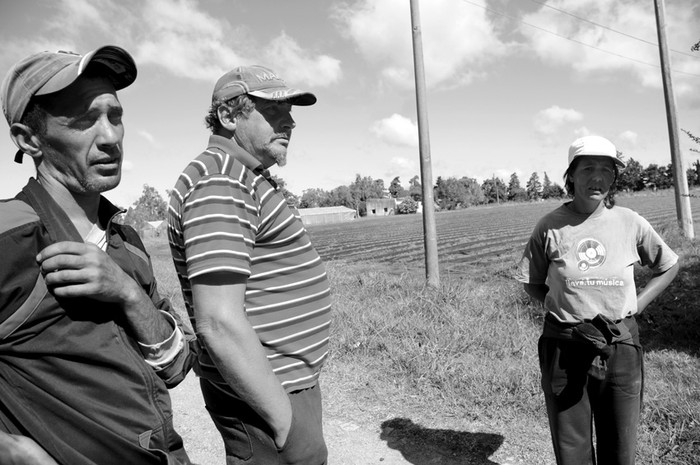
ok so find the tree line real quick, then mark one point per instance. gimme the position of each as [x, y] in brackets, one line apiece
[450, 193]
[453, 193]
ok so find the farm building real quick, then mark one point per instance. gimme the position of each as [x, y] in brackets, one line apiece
[326, 215]
[381, 207]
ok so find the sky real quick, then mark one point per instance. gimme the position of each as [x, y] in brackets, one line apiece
[510, 83]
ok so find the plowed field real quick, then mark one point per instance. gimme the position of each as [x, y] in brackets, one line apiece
[470, 237]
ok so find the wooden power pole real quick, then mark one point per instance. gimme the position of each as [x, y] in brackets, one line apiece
[680, 182]
[432, 273]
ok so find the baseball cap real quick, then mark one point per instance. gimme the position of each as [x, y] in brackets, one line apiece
[261, 82]
[593, 146]
[48, 72]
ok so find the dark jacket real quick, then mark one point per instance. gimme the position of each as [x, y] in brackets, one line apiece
[71, 376]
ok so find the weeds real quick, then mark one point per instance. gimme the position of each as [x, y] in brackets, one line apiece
[467, 351]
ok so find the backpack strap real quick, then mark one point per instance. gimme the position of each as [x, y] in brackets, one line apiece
[52, 216]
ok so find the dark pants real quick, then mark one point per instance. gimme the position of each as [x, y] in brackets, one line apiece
[576, 401]
[248, 439]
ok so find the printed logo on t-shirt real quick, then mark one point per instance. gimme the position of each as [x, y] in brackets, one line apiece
[590, 253]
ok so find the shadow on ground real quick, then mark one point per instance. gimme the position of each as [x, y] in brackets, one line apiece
[425, 446]
[672, 321]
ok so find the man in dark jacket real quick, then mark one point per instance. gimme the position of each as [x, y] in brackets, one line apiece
[88, 348]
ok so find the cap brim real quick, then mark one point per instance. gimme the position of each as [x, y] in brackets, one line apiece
[294, 96]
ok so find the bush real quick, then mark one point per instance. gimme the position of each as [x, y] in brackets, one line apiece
[406, 207]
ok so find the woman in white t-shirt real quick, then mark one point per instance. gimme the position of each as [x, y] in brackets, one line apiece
[579, 262]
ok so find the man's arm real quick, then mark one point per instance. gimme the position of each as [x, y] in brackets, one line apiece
[21, 450]
[236, 350]
[656, 285]
[76, 269]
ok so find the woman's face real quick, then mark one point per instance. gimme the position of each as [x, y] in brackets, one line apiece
[592, 178]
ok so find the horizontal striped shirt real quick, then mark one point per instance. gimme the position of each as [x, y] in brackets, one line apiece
[226, 216]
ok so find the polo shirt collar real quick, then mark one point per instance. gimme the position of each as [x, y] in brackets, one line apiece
[248, 160]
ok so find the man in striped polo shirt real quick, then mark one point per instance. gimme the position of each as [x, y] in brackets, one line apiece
[254, 286]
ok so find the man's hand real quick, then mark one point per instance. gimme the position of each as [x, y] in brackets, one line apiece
[21, 450]
[77, 269]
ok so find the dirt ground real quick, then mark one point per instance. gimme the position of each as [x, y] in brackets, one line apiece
[355, 439]
[348, 442]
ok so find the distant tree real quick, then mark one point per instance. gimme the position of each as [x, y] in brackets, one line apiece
[314, 198]
[396, 190]
[515, 192]
[476, 194]
[149, 207]
[657, 177]
[494, 190]
[453, 193]
[533, 188]
[363, 188]
[696, 47]
[551, 190]
[631, 178]
[415, 190]
[408, 206]
[292, 199]
[342, 197]
[692, 174]
[379, 189]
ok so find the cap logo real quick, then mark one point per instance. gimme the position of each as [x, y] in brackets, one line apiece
[267, 77]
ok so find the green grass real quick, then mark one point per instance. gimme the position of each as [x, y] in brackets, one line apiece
[463, 356]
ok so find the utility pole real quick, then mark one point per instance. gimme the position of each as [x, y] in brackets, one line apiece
[680, 182]
[432, 273]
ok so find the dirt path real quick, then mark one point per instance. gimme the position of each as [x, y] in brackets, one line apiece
[356, 441]
[348, 442]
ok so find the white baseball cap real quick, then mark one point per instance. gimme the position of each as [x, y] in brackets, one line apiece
[594, 146]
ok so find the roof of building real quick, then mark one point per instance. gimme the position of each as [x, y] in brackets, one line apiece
[324, 210]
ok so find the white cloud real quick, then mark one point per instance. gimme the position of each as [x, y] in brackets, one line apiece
[456, 39]
[151, 140]
[127, 165]
[187, 41]
[628, 137]
[548, 121]
[607, 53]
[298, 65]
[396, 130]
[180, 37]
[74, 14]
[583, 131]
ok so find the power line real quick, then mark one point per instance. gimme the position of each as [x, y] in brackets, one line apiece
[609, 28]
[574, 40]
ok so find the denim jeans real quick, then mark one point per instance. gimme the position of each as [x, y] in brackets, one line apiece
[248, 439]
[576, 401]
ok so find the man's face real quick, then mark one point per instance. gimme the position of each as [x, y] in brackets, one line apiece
[266, 131]
[82, 146]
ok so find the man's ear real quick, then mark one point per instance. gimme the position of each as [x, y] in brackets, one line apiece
[226, 118]
[25, 140]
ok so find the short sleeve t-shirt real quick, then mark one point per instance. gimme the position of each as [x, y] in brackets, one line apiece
[588, 261]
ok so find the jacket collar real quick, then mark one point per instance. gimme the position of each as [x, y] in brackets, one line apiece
[56, 221]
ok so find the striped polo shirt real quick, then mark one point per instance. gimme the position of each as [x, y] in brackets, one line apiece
[226, 216]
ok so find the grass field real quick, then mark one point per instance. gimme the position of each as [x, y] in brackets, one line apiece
[455, 367]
